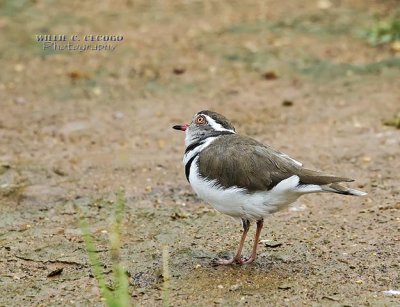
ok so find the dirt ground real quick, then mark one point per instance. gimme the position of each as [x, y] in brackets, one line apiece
[75, 126]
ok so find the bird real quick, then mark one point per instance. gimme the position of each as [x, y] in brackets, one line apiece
[244, 178]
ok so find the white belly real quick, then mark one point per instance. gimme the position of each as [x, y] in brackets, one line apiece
[237, 203]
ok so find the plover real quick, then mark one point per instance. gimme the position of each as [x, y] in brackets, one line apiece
[245, 179]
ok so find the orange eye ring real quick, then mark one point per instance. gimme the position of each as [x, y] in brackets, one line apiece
[200, 120]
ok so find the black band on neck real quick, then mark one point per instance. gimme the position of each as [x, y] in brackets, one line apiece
[188, 165]
[193, 146]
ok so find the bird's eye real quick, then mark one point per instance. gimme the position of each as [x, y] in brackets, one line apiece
[200, 120]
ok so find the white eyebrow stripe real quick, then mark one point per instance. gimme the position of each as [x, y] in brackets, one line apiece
[215, 125]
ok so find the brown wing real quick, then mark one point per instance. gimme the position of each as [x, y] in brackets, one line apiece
[234, 160]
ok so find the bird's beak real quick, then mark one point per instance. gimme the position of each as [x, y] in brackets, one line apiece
[180, 127]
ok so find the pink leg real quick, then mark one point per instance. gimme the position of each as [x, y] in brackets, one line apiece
[238, 257]
[253, 256]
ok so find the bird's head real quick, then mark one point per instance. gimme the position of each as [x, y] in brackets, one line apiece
[205, 124]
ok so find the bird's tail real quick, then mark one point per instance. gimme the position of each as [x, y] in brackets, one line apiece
[337, 188]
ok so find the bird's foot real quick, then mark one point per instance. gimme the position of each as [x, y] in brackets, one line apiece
[234, 260]
[248, 260]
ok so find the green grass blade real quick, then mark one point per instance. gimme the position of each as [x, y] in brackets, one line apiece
[120, 278]
[95, 263]
[119, 297]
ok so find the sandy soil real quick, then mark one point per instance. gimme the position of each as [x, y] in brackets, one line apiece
[76, 126]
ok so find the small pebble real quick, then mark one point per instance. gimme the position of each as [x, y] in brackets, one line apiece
[118, 115]
[97, 91]
[287, 103]
[55, 272]
[366, 159]
[284, 286]
[331, 298]
[324, 4]
[269, 75]
[179, 70]
[270, 243]
[396, 46]
[19, 68]
[391, 292]
[20, 100]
